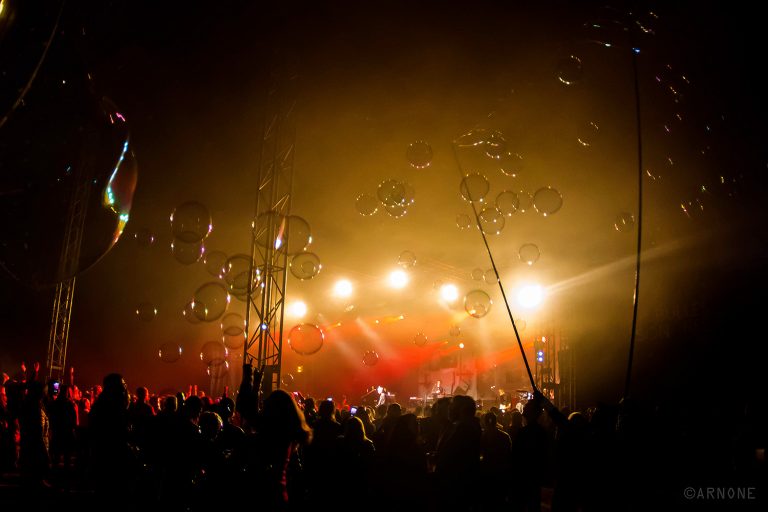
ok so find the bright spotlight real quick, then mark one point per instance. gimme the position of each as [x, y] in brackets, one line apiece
[296, 309]
[449, 292]
[461, 345]
[398, 279]
[342, 288]
[530, 296]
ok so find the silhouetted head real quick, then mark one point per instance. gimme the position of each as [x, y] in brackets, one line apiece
[192, 408]
[531, 411]
[226, 407]
[210, 425]
[353, 429]
[489, 420]
[394, 410]
[462, 408]
[327, 409]
[284, 420]
[115, 390]
[142, 394]
[515, 419]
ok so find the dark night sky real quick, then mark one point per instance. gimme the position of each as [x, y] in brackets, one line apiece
[376, 76]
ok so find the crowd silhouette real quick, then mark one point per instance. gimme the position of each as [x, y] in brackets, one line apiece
[108, 448]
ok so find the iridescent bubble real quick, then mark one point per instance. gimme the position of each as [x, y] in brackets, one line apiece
[232, 324]
[187, 253]
[419, 154]
[268, 227]
[474, 187]
[477, 274]
[420, 339]
[298, 233]
[396, 211]
[215, 263]
[366, 205]
[218, 370]
[454, 331]
[306, 339]
[370, 358]
[144, 238]
[586, 134]
[213, 352]
[490, 276]
[491, 220]
[495, 145]
[305, 265]
[463, 221]
[547, 201]
[169, 352]
[391, 193]
[287, 380]
[507, 202]
[210, 301]
[477, 303]
[191, 222]
[236, 273]
[511, 164]
[189, 313]
[146, 312]
[525, 201]
[529, 253]
[624, 222]
[407, 259]
[569, 70]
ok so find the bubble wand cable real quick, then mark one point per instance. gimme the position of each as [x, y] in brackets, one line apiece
[496, 273]
[635, 51]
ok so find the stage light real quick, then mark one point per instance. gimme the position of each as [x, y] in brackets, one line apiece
[398, 279]
[342, 288]
[296, 309]
[449, 292]
[461, 345]
[299, 369]
[530, 296]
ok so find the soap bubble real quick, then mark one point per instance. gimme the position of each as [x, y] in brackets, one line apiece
[191, 222]
[495, 145]
[511, 164]
[169, 352]
[144, 238]
[463, 221]
[547, 201]
[215, 263]
[477, 303]
[305, 339]
[525, 201]
[287, 380]
[507, 202]
[218, 370]
[477, 274]
[529, 253]
[391, 193]
[232, 324]
[569, 70]
[146, 312]
[491, 220]
[236, 273]
[298, 232]
[305, 265]
[410, 194]
[587, 133]
[407, 259]
[267, 228]
[420, 339]
[624, 222]
[187, 253]
[454, 331]
[474, 187]
[490, 276]
[189, 313]
[419, 154]
[210, 301]
[370, 358]
[366, 205]
[397, 211]
[213, 352]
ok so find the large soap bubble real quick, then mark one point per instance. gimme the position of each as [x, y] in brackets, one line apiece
[144, 238]
[366, 205]
[187, 253]
[407, 259]
[511, 164]
[529, 253]
[298, 233]
[477, 274]
[146, 312]
[305, 265]
[547, 201]
[491, 220]
[169, 352]
[55, 195]
[495, 145]
[624, 222]
[191, 222]
[507, 202]
[232, 324]
[477, 303]
[215, 263]
[210, 301]
[419, 154]
[189, 313]
[420, 339]
[569, 70]
[213, 352]
[306, 339]
[587, 133]
[474, 187]
[370, 358]
[454, 331]
[391, 193]
[218, 370]
[237, 269]
[525, 201]
[490, 277]
[463, 221]
[233, 342]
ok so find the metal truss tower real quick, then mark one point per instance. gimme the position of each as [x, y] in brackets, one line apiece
[270, 230]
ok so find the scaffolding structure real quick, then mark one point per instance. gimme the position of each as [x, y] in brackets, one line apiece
[270, 230]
